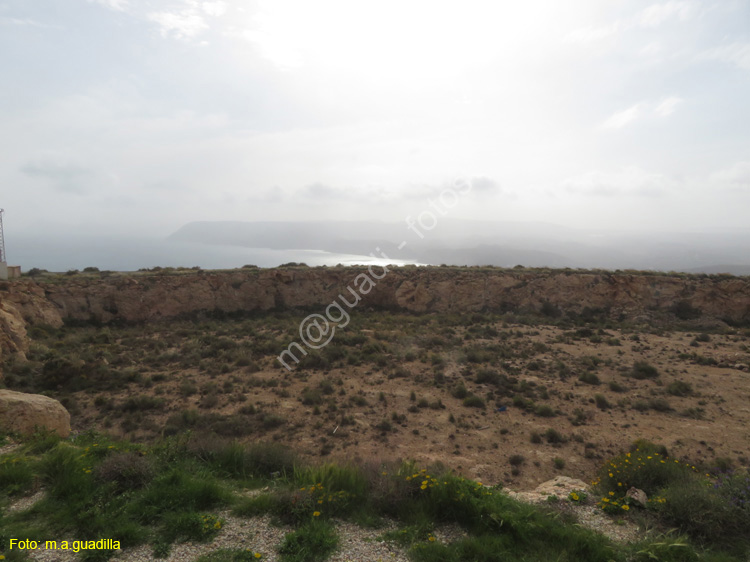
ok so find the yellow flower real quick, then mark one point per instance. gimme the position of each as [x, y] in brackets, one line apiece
[605, 500]
[619, 483]
[626, 507]
[611, 493]
[316, 513]
[611, 475]
[431, 538]
[217, 525]
[258, 555]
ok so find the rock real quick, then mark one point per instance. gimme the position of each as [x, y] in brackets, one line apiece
[638, 496]
[22, 413]
[143, 298]
[31, 301]
[561, 486]
[13, 336]
[740, 367]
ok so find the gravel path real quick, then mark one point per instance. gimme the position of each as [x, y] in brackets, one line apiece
[258, 535]
[356, 544]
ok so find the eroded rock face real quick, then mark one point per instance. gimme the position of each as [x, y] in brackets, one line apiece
[22, 303]
[143, 298]
[13, 338]
[31, 302]
[23, 413]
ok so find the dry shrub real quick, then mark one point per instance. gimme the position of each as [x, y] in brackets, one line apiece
[127, 470]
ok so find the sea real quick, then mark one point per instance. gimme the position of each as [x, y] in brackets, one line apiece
[131, 254]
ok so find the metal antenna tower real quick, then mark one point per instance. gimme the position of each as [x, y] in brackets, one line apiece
[2, 239]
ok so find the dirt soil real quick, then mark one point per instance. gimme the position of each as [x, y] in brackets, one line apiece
[405, 404]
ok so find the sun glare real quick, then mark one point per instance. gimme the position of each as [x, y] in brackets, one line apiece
[389, 40]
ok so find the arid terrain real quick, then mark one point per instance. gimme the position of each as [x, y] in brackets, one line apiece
[514, 394]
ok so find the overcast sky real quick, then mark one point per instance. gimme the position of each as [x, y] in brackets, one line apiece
[142, 115]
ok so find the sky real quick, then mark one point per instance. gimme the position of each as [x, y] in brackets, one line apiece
[135, 117]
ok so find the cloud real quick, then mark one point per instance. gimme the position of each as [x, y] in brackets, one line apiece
[653, 49]
[668, 106]
[215, 9]
[651, 17]
[189, 20]
[629, 181]
[324, 193]
[117, 5]
[735, 178]
[65, 177]
[656, 14]
[381, 195]
[484, 184]
[185, 24]
[319, 191]
[734, 53]
[620, 119]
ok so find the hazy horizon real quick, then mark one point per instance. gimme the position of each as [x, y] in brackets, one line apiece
[232, 244]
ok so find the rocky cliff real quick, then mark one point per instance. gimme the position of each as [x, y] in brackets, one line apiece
[147, 297]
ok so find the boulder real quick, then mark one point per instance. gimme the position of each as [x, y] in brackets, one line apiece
[559, 486]
[22, 413]
[638, 496]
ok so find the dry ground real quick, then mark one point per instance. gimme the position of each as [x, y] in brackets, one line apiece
[393, 386]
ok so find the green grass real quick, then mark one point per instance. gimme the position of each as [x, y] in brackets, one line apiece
[16, 474]
[312, 542]
[172, 492]
[710, 510]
